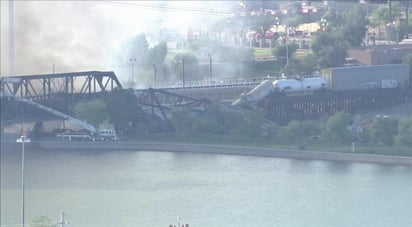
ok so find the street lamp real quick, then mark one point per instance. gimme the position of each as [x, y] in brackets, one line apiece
[277, 24]
[23, 139]
[132, 60]
[154, 70]
[323, 23]
[394, 29]
[241, 34]
[210, 66]
[183, 72]
[287, 46]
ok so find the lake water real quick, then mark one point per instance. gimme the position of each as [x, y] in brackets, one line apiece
[124, 188]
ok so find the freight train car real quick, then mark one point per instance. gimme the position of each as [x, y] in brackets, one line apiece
[394, 76]
[256, 94]
[367, 77]
[305, 86]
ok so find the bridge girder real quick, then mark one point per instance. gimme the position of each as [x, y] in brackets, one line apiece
[41, 87]
[163, 101]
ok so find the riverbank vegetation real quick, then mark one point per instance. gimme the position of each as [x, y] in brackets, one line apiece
[220, 124]
[340, 132]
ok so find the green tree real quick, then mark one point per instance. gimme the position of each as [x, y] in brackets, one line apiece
[384, 130]
[249, 126]
[210, 121]
[231, 119]
[248, 131]
[143, 60]
[336, 127]
[201, 49]
[154, 67]
[284, 51]
[404, 137]
[42, 221]
[273, 134]
[138, 49]
[298, 131]
[157, 54]
[354, 27]
[407, 60]
[330, 51]
[123, 108]
[343, 30]
[219, 51]
[185, 67]
[303, 66]
[217, 120]
[182, 120]
[410, 18]
[381, 16]
[261, 23]
[240, 54]
[93, 112]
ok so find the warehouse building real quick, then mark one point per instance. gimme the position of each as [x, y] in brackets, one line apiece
[380, 54]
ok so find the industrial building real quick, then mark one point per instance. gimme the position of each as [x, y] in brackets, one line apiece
[380, 54]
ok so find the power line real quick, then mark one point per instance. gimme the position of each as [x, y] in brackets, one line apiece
[57, 67]
[158, 7]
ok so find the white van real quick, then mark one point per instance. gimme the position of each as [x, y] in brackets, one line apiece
[108, 135]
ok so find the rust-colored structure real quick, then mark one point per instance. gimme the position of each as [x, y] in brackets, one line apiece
[380, 54]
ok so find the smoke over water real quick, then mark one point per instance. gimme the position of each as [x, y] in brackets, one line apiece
[74, 36]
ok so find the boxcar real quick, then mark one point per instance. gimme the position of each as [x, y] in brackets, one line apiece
[367, 77]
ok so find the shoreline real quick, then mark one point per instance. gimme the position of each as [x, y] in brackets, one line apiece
[216, 149]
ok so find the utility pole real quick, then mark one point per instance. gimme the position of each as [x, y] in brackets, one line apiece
[11, 40]
[407, 19]
[132, 60]
[210, 66]
[154, 68]
[23, 139]
[22, 180]
[287, 47]
[183, 72]
[62, 222]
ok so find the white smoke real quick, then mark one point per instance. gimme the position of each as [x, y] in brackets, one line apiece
[71, 36]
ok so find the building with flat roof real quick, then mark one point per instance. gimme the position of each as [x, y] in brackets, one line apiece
[380, 54]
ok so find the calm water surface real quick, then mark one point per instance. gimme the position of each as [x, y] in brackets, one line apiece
[121, 189]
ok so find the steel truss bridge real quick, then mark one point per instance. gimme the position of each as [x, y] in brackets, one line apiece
[157, 104]
[41, 87]
[163, 101]
[56, 91]
[62, 91]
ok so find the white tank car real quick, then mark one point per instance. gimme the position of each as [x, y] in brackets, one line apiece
[306, 85]
[256, 94]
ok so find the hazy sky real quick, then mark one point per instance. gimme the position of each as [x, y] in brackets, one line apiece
[85, 35]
